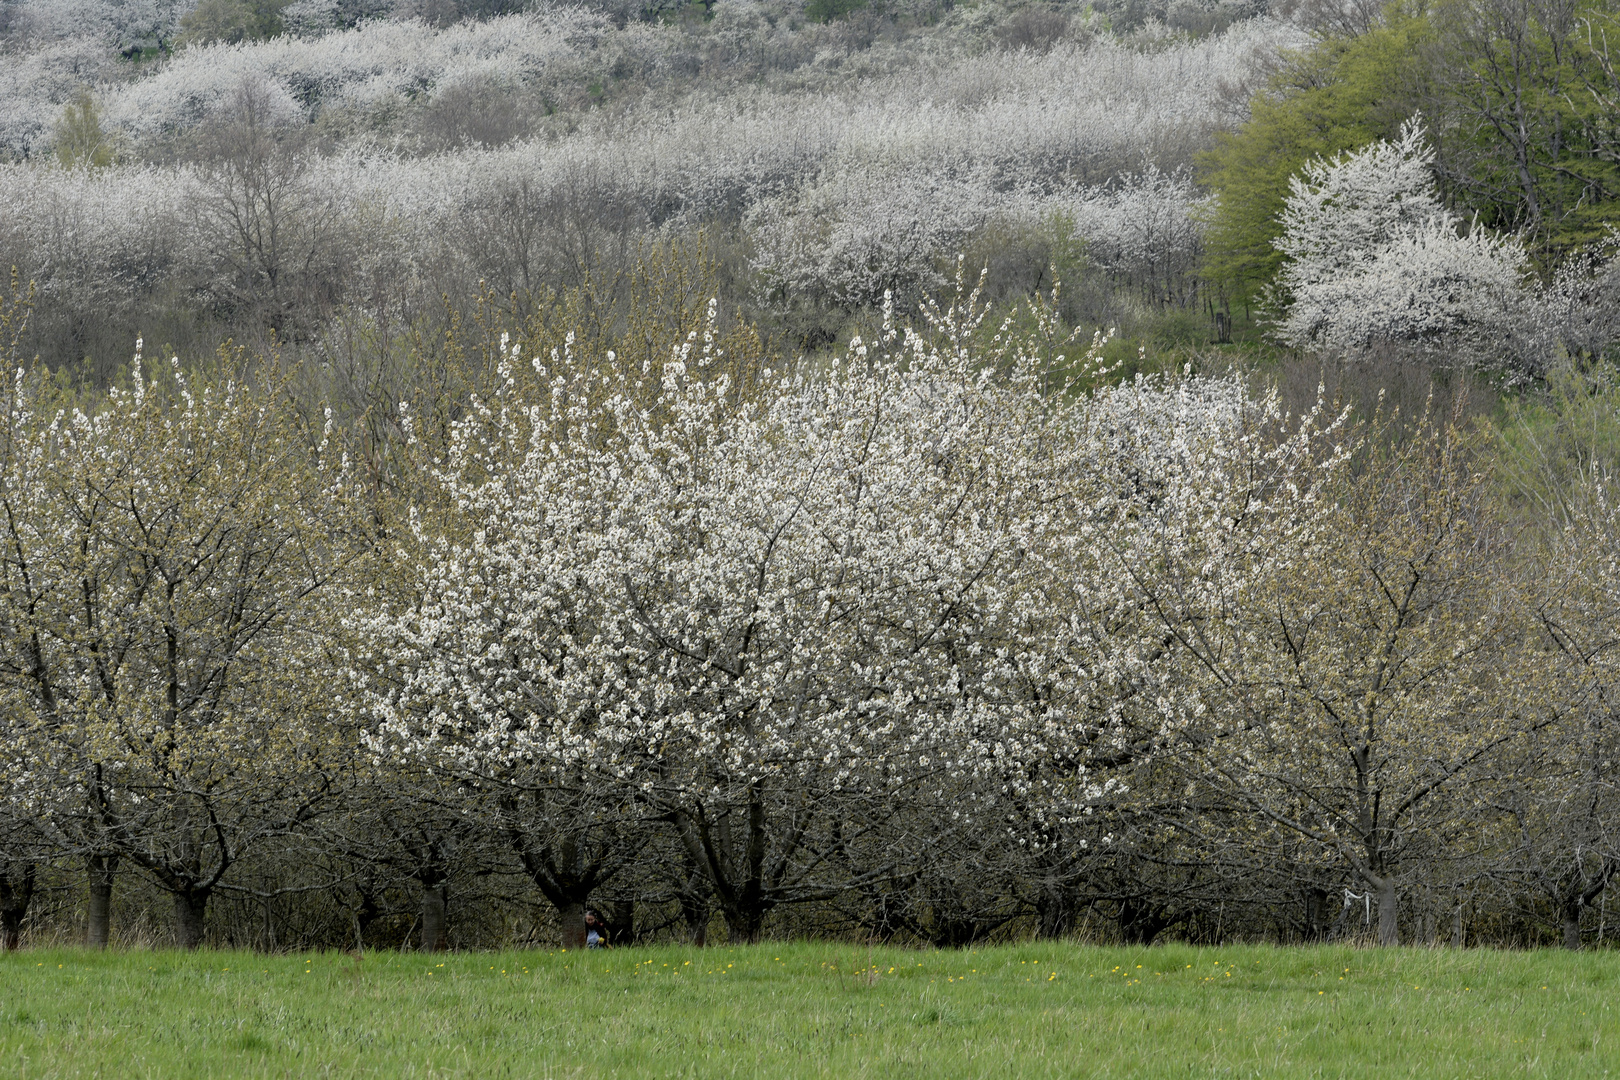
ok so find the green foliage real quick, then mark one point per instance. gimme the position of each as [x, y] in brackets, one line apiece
[80, 138]
[1520, 99]
[1527, 98]
[231, 21]
[813, 1009]
[1341, 95]
[1555, 443]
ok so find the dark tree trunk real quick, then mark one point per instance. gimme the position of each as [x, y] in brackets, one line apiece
[958, 932]
[1580, 897]
[1315, 914]
[1572, 926]
[435, 915]
[744, 926]
[101, 871]
[571, 923]
[16, 894]
[1140, 922]
[190, 916]
[619, 921]
[1389, 905]
[695, 909]
[365, 912]
[1054, 910]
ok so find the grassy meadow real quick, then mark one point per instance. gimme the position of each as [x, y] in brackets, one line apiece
[1033, 1010]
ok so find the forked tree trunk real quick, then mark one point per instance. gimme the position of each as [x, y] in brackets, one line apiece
[735, 865]
[100, 869]
[566, 867]
[1579, 901]
[190, 917]
[435, 916]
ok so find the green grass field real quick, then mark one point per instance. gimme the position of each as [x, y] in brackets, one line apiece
[1033, 1010]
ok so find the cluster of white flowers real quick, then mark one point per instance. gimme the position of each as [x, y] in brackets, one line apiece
[853, 235]
[903, 575]
[370, 65]
[1373, 255]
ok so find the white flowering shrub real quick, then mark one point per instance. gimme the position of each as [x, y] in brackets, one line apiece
[1143, 230]
[374, 62]
[892, 585]
[854, 237]
[35, 87]
[1372, 255]
[1576, 313]
[99, 236]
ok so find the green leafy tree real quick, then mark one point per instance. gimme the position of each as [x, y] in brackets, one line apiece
[80, 138]
[1341, 95]
[1528, 94]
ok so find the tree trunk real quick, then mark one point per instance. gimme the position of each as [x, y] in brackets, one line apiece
[1316, 900]
[1572, 925]
[1054, 912]
[100, 869]
[435, 908]
[190, 917]
[1140, 922]
[744, 926]
[695, 913]
[695, 907]
[16, 893]
[1388, 911]
[571, 924]
[619, 920]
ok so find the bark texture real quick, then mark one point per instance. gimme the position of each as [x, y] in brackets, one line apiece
[101, 870]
